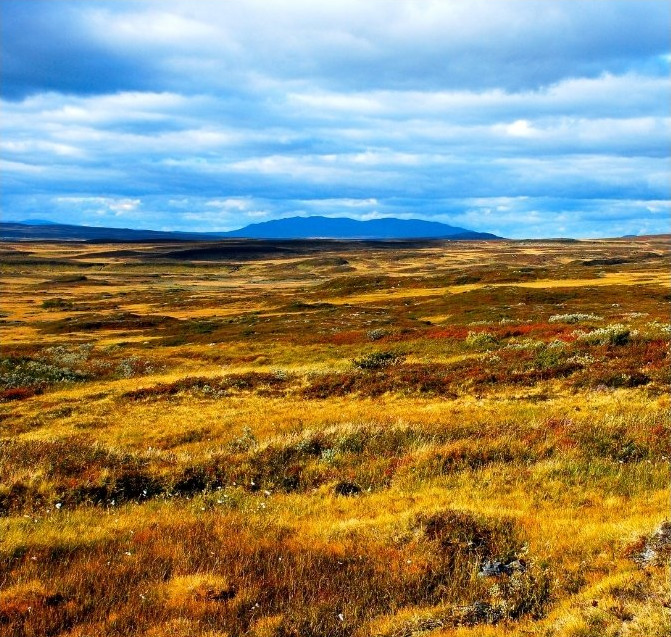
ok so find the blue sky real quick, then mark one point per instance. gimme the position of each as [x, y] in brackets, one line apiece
[526, 118]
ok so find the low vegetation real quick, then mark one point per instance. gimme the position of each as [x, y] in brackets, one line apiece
[447, 439]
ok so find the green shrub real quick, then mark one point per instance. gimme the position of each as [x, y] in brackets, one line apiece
[481, 340]
[616, 334]
[16, 373]
[573, 318]
[57, 304]
[378, 360]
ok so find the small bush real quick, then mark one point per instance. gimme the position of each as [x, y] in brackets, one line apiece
[616, 334]
[57, 304]
[549, 356]
[246, 441]
[615, 445]
[462, 532]
[481, 340]
[571, 319]
[64, 355]
[132, 366]
[15, 373]
[347, 488]
[656, 330]
[378, 360]
[20, 393]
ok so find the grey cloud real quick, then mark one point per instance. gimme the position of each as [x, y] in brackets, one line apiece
[96, 47]
[46, 47]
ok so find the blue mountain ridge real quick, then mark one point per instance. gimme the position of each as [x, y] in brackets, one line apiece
[315, 227]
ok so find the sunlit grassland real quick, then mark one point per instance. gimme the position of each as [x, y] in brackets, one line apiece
[335, 440]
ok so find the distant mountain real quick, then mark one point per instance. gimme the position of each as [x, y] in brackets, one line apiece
[38, 222]
[67, 232]
[345, 228]
[290, 228]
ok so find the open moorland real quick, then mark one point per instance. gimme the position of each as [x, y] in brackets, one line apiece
[319, 439]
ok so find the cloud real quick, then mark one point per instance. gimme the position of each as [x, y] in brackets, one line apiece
[46, 46]
[516, 116]
[100, 206]
[185, 45]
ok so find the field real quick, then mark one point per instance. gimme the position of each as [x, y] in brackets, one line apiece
[335, 439]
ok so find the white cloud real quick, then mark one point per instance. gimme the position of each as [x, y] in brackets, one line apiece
[101, 205]
[150, 27]
[233, 203]
[521, 128]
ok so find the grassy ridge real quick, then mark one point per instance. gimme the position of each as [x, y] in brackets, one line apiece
[444, 439]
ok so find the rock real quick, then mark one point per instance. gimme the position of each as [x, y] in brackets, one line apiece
[653, 550]
[494, 568]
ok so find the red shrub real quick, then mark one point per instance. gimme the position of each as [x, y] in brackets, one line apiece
[346, 338]
[20, 393]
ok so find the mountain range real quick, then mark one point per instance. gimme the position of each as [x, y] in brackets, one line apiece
[345, 228]
[289, 228]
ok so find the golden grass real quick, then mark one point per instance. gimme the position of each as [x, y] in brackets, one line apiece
[231, 471]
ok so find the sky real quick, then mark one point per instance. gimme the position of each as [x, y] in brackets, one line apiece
[525, 118]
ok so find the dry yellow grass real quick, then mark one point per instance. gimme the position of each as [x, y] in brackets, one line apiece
[335, 443]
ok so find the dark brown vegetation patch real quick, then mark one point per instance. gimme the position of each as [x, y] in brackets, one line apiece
[436, 379]
[264, 382]
[95, 322]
